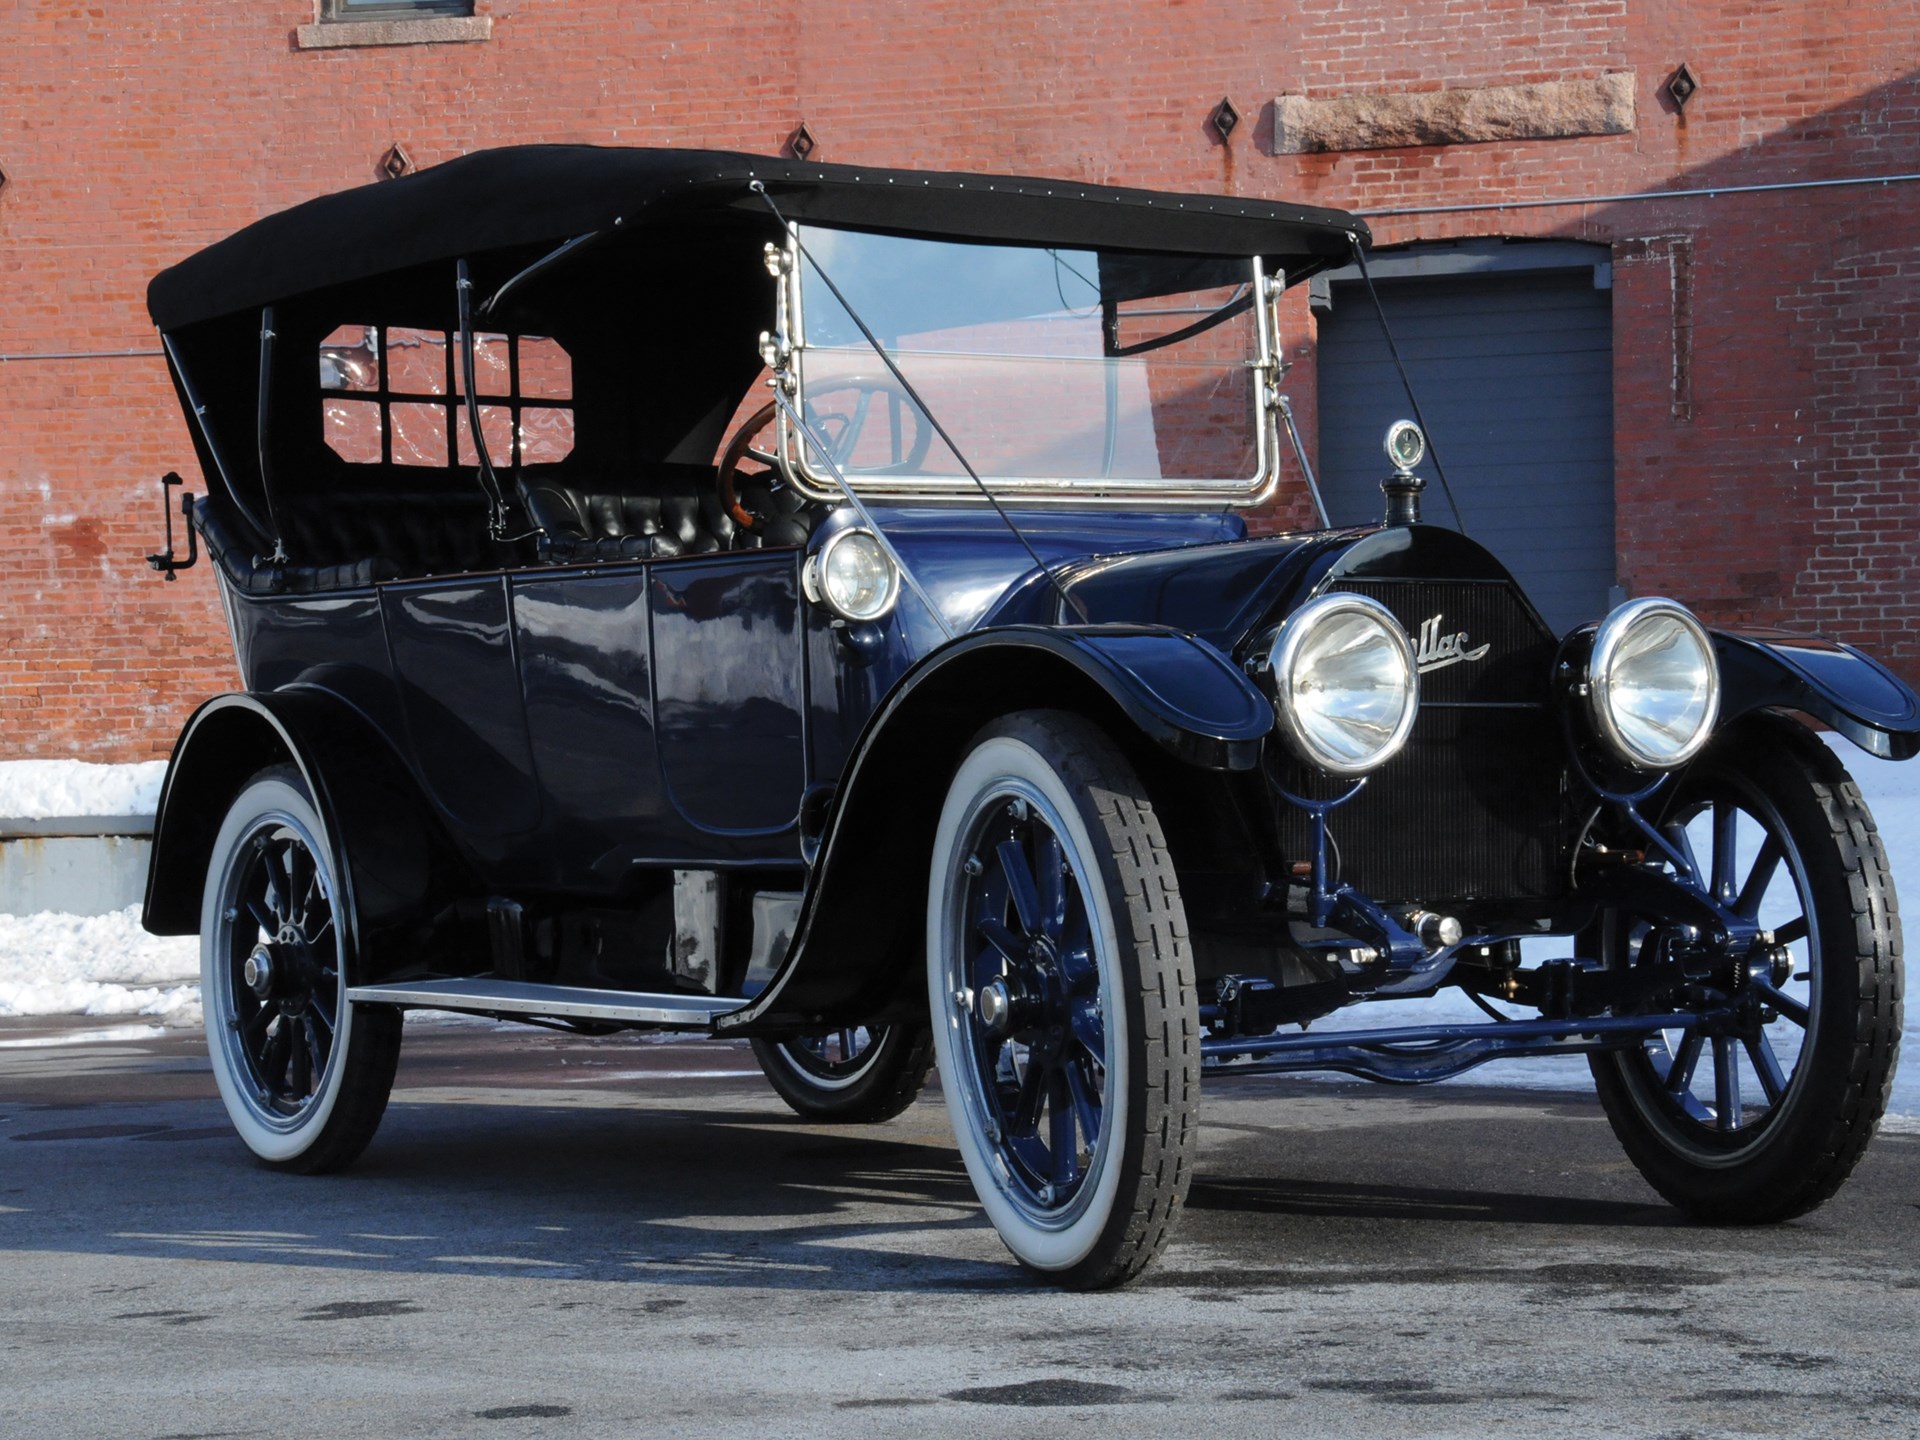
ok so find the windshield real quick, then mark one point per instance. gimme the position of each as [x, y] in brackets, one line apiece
[1054, 370]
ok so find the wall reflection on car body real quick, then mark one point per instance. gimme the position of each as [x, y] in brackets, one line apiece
[586, 676]
[729, 691]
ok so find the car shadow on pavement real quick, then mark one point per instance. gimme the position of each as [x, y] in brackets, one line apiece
[662, 1195]
[1350, 1200]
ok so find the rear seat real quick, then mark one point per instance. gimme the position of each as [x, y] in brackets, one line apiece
[345, 542]
[348, 542]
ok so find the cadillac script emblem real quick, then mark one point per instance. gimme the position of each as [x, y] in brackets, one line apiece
[1437, 651]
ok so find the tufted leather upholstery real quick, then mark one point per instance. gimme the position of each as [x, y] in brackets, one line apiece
[582, 525]
[345, 542]
[681, 515]
[348, 542]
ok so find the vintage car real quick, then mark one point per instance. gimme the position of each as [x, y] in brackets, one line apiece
[808, 604]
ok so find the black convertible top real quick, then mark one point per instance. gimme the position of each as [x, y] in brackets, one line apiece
[532, 194]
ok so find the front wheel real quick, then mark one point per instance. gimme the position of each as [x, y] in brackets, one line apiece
[1062, 994]
[1760, 1116]
[857, 1075]
[304, 1073]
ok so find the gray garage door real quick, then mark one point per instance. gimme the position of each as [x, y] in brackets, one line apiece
[1514, 375]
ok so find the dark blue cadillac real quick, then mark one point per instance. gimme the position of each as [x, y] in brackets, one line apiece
[808, 604]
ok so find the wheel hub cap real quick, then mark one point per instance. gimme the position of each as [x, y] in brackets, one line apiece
[994, 1007]
[258, 972]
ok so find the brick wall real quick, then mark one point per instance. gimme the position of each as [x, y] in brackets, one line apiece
[1765, 384]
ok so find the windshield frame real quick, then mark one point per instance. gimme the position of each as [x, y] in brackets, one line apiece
[785, 348]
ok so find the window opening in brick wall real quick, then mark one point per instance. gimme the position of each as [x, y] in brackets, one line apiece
[335, 11]
[395, 396]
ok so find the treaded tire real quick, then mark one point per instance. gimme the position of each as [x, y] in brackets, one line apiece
[1797, 1152]
[1100, 1010]
[304, 1075]
[885, 1078]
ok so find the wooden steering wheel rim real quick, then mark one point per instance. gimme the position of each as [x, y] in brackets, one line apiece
[738, 449]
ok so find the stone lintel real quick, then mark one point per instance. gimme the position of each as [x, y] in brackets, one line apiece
[1552, 110]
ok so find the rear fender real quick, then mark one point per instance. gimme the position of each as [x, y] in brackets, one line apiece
[854, 953]
[1832, 682]
[393, 862]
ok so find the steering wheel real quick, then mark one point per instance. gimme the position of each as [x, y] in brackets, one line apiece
[840, 426]
[741, 447]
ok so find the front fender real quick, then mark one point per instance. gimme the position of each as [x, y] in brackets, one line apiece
[1832, 682]
[854, 951]
[392, 860]
[1181, 692]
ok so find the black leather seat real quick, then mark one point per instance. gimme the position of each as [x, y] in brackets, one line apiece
[346, 542]
[349, 541]
[586, 525]
[679, 514]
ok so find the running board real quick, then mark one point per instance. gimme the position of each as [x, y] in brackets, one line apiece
[510, 998]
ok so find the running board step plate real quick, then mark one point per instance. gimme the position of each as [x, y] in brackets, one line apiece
[553, 1002]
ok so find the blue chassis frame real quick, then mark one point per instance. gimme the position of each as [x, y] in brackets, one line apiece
[1414, 1055]
[1418, 1054]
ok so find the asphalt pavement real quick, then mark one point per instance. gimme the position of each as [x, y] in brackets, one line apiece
[557, 1236]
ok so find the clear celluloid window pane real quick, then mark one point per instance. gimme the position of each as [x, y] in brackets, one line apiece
[419, 434]
[496, 423]
[350, 358]
[546, 370]
[492, 365]
[352, 428]
[416, 362]
[1042, 363]
[546, 434]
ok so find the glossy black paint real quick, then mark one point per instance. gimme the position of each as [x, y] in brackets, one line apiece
[1834, 683]
[576, 728]
[1782, 670]
[1226, 593]
[396, 865]
[729, 698]
[459, 691]
[1172, 693]
[580, 730]
[586, 681]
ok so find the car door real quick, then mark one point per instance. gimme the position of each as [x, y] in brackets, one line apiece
[730, 698]
[452, 649]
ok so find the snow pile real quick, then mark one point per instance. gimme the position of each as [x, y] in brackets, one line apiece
[49, 789]
[97, 965]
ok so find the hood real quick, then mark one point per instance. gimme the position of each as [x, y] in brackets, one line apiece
[1227, 593]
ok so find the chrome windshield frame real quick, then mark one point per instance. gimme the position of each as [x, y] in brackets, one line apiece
[785, 353]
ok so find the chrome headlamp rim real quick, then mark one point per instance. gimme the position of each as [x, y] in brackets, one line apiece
[1607, 640]
[1276, 667]
[813, 577]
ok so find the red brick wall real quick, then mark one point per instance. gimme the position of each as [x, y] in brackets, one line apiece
[1774, 484]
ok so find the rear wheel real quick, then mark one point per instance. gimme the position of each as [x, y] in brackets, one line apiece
[305, 1075]
[857, 1075]
[1761, 1117]
[1062, 995]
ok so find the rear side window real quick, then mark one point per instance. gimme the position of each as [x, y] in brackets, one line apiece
[391, 395]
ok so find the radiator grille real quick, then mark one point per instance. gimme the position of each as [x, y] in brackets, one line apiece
[1473, 613]
[1471, 809]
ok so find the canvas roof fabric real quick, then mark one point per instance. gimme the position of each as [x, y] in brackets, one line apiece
[533, 194]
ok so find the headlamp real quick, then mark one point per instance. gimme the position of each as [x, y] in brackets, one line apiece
[1344, 685]
[853, 575]
[1653, 684]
